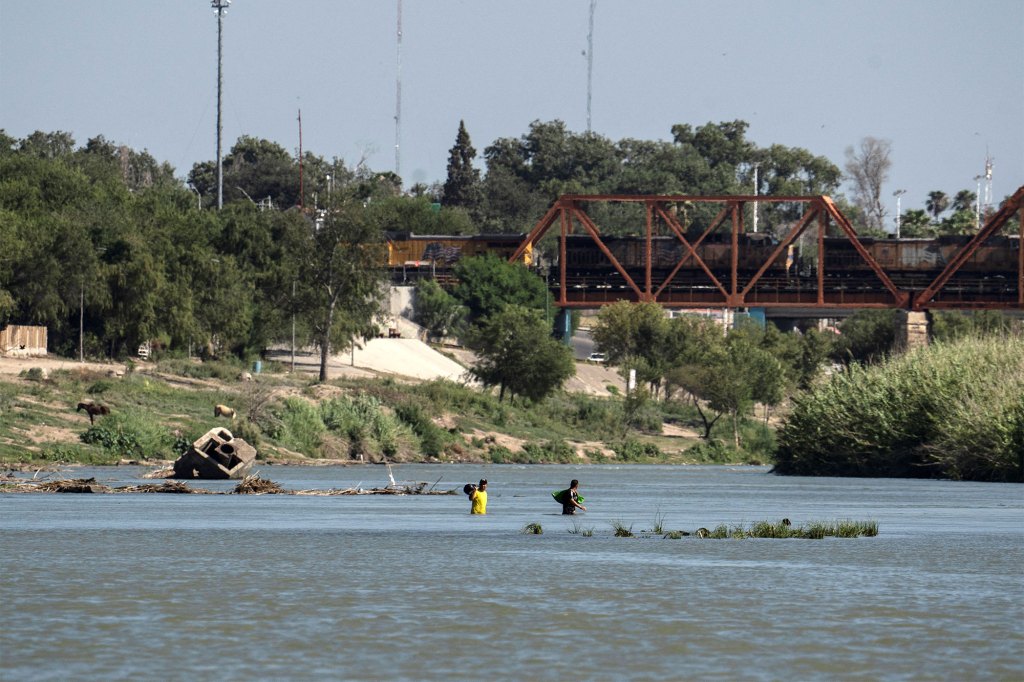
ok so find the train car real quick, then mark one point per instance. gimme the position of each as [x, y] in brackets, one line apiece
[913, 263]
[444, 251]
[584, 257]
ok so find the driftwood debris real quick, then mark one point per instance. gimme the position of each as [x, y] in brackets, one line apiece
[250, 485]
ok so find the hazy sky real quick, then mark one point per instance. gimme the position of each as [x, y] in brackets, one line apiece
[942, 79]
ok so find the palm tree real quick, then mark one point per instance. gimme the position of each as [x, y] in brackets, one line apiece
[964, 200]
[937, 203]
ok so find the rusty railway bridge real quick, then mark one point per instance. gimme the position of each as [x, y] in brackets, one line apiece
[763, 276]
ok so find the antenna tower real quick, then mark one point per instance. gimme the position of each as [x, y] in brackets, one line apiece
[220, 8]
[590, 60]
[398, 98]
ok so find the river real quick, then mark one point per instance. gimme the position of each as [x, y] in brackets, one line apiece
[185, 587]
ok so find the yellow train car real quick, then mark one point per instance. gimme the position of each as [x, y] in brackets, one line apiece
[444, 251]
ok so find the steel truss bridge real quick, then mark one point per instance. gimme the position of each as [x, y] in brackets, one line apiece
[702, 286]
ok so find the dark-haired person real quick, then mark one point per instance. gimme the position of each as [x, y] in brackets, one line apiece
[571, 499]
[477, 497]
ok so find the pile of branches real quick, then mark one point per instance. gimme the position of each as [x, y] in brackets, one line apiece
[254, 485]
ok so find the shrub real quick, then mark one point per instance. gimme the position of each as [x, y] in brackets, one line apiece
[951, 410]
[33, 374]
[130, 435]
[301, 426]
[554, 452]
[632, 450]
[710, 451]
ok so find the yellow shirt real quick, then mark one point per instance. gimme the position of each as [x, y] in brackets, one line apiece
[479, 500]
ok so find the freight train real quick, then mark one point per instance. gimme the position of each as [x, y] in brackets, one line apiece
[909, 263]
[912, 264]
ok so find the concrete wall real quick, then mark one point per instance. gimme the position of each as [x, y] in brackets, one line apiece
[23, 341]
[911, 329]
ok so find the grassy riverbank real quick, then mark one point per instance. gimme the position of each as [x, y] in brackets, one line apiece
[157, 410]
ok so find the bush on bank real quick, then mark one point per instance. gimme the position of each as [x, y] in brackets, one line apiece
[952, 410]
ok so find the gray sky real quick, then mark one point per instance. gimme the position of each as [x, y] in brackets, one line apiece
[942, 79]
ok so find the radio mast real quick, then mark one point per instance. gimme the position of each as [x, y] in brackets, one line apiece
[220, 8]
[398, 98]
[590, 59]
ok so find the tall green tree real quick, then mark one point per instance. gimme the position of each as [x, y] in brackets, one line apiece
[462, 188]
[437, 311]
[516, 353]
[341, 285]
[488, 284]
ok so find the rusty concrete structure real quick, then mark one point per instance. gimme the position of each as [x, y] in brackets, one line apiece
[216, 455]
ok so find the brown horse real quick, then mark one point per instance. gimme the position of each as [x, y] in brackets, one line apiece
[93, 410]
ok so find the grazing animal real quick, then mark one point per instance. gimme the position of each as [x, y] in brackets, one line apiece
[93, 410]
[224, 411]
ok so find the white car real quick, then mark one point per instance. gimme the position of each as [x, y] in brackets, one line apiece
[596, 357]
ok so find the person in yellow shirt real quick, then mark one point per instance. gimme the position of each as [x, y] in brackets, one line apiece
[477, 497]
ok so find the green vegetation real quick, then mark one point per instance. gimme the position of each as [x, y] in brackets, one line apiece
[157, 414]
[532, 529]
[952, 410]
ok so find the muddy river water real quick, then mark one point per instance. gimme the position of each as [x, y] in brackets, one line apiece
[186, 587]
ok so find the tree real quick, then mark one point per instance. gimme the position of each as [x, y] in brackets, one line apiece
[462, 188]
[868, 169]
[635, 336]
[437, 311]
[516, 353]
[254, 170]
[487, 284]
[937, 203]
[964, 200]
[915, 223]
[342, 283]
[866, 336]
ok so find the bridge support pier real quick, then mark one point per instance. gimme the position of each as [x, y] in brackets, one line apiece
[565, 325]
[911, 329]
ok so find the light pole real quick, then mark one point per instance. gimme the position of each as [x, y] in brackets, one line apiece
[899, 195]
[220, 8]
[756, 167]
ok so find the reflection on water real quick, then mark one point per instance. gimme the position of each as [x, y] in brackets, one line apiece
[385, 587]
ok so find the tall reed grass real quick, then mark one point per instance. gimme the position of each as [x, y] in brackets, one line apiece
[948, 411]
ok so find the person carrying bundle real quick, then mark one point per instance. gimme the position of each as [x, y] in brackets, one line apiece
[570, 499]
[477, 496]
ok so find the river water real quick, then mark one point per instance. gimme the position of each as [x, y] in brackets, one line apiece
[186, 587]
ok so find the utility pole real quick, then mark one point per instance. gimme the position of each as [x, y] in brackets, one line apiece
[590, 59]
[301, 193]
[220, 8]
[398, 97]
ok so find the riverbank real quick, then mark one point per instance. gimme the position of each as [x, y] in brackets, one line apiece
[156, 409]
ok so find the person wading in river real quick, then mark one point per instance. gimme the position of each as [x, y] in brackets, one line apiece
[571, 499]
[477, 497]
